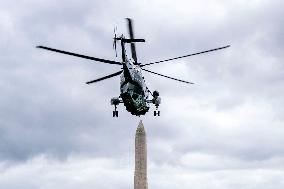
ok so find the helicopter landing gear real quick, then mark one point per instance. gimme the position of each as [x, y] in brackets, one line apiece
[157, 112]
[115, 102]
[157, 101]
[115, 112]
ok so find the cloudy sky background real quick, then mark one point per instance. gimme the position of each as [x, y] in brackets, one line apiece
[226, 131]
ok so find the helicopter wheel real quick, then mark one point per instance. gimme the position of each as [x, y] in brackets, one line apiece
[115, 113]
[156, 113]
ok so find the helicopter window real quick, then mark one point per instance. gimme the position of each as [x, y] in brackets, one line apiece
[134, 96]
[137, 90]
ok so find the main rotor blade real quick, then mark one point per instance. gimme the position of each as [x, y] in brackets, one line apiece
[131, 36]
[167, 76]
[105, 77]
[202, 52]
[79, 55]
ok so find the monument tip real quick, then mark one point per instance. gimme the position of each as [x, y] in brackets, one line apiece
[140, 127]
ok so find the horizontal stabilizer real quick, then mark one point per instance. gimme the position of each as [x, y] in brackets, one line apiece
[131, 40]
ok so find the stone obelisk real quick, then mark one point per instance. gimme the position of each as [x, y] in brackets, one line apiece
[140, 174]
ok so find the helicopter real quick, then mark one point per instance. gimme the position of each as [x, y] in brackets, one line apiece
[134, 93]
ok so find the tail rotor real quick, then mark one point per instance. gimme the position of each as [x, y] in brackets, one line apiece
[114, 40]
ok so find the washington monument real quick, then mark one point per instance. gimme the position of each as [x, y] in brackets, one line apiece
[140, 174]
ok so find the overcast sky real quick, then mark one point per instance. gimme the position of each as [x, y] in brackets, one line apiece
[224, 132]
